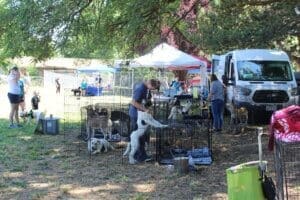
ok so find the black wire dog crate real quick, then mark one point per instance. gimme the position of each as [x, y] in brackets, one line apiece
[189, 138]
[118, 115]
[287, 168]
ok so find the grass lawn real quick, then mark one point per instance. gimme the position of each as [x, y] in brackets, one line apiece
[35, 166]
[24, 158]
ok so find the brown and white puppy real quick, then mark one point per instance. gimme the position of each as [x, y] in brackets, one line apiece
[98, 119]
[238, 118]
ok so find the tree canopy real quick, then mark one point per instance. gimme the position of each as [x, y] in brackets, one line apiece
[121, 28]
[233, 24]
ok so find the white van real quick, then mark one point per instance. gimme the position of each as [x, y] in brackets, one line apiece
[258, 79]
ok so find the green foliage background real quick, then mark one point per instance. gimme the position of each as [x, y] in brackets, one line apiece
[122, 28]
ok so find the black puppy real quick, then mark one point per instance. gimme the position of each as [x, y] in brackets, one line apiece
[76, 91]
[121, 117]
[26, 116]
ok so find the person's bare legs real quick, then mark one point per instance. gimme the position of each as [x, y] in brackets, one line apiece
[17, 114]
[22, 106]
[13, 112]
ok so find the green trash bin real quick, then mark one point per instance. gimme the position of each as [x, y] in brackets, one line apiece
[243, 182]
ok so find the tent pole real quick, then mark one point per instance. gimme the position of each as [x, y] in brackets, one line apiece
[114, 83]
[132, 82]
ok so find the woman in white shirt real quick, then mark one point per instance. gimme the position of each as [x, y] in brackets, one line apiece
[14, 96]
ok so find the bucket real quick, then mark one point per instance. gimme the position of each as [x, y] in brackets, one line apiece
[181, 165]
[243, 182]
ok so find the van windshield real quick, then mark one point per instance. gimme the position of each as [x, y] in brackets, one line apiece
[264, 71]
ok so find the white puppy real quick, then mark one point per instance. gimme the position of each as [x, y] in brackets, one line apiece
[32, 114]
[186, 106]
[37, 114]
[144, 120]
[176, 113]
[95, 145]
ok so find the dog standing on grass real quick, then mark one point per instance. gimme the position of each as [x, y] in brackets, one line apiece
[27, 116]
[144, 120]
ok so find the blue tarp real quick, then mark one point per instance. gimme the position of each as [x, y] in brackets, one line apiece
[93, 91]
[95, 69]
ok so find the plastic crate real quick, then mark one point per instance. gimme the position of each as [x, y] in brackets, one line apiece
[50, 125]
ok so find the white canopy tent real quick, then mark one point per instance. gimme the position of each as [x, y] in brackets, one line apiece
[163, 56]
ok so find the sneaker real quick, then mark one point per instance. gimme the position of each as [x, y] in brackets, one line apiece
[13, 126]
[213, 130]
[148, 159]
[219, 131]
[19, 126]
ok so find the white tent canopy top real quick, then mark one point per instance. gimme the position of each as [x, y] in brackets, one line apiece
[95, 68]
[164, 55]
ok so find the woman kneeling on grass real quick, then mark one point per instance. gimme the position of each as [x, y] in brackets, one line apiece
[14, 96]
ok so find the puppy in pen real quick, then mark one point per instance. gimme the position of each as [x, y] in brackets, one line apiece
[98, 119]
[176, 112]
[238, 118]
[96, 145]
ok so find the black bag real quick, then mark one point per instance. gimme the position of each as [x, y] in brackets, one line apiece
[268, 187]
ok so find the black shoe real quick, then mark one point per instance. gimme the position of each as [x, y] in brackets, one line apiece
[213, 130]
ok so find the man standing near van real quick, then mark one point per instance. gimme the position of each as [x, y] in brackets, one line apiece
[216, 96]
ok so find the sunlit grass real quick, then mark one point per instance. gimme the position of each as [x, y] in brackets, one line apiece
[18, 147]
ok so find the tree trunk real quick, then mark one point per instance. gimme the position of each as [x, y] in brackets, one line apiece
[173, 36]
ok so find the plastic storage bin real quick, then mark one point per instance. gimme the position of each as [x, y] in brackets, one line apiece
[244, 182]
[50, 125]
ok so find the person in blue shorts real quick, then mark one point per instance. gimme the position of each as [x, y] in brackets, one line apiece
[141, 97]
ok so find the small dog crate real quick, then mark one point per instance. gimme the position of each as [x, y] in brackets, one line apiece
[190, 138]
[287, 168]
[117, 113]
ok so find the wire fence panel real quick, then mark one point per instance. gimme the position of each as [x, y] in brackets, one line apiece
[287, 168]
